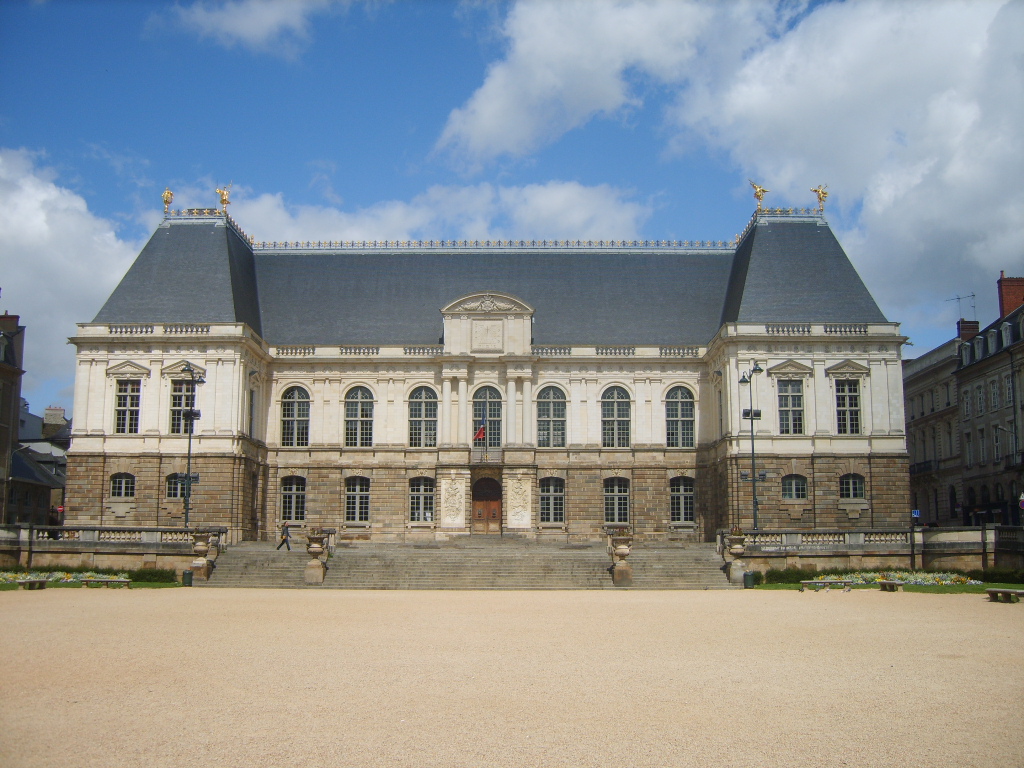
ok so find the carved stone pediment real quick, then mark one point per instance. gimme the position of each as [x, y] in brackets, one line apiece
[790, 368]
[488, 303]
[177, 370]
[847, 368]
[128, 370]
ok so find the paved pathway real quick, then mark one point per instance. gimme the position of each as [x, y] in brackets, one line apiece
[189, 677]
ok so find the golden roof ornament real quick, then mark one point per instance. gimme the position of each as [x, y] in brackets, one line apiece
[223, 194]
[822, 195]
[759, 193]
[168, 198]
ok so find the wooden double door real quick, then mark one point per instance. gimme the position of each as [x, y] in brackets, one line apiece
[486, 506]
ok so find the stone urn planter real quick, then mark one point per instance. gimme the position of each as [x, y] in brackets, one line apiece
[622, 572]
[316, 569]
[736, 544]
[200, 543]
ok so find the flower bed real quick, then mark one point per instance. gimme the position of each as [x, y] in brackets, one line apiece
[60, 577]
[922, 578]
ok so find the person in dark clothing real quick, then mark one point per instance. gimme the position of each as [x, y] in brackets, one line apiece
[285, 537]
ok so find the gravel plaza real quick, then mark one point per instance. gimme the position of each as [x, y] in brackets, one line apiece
[232, 677]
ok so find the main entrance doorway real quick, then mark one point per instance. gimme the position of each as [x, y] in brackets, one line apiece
[486, 506]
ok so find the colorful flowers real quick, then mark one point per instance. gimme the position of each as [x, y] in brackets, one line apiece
[907, 577]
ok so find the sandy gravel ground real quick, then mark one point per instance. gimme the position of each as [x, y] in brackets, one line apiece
[192, 677]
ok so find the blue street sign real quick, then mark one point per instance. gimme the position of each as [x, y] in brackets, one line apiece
[915, 512]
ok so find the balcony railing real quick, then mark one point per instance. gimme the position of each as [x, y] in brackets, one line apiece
[485, 456]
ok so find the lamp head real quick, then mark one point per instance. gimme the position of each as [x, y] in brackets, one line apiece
[757, 368]
[744, 379]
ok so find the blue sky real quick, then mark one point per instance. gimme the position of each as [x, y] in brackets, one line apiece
[352, 120]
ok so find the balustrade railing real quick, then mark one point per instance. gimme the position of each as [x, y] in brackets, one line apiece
[847, 329]
[552, 351]
[98, 534]
[427, 350]
[787, 329]
[360, 351]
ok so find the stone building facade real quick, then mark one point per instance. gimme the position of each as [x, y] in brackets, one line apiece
[403, 391]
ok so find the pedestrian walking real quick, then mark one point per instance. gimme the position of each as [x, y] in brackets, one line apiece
[285, 537]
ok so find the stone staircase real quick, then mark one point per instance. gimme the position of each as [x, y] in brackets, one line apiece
[476, 562]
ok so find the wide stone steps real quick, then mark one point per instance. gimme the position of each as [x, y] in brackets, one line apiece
[480, 564]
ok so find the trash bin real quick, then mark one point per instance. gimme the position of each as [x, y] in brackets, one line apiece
[186, 578]
[748, 579]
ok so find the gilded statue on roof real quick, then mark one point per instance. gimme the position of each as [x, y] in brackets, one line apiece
[822, 195]
[759, 193]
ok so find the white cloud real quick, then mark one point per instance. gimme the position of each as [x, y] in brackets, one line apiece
[58, 263]
[280, 26]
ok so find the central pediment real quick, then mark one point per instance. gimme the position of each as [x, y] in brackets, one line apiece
[488, 304]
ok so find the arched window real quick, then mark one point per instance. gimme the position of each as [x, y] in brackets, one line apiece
[794, 487]
[680, 494]
[616, 500]
[679, 418]
[552, 500]
[851, 487]
[175, 486]
[357, 500]
[615, 418]
[423, 418]
[293, 498]
[551, 418]
[421, 500]
[358, 418]
[487, 418]
[295, 417]
[122, 486]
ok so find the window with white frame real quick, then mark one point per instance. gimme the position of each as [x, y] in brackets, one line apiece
[487, 431]
[993, 394]
[421, 500]
[979, 402]
[967, 403]
[126, 406]
[183, 398]
[848, 406]
[982, 448]
[122, 486]
[552, 500]
[423, 418]
[851, 487]
[616, 500]
[357, 500]
[175, 486]
[358, 418]
[295, 417]
[791, 407]
[680, 498]
[997, 451]
[794, 487]
[679, 421]
[1006, 333]
[615, 418]
[551, 418]
[1007, 390]
[293, 498]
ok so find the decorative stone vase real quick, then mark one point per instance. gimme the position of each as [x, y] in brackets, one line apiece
[316, 569]
[201, 543]
[736, 544]
[315, 547]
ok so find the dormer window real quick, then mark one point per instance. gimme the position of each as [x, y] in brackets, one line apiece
[993, 340]
[979, 347]
[1007, 333]
[965, 354]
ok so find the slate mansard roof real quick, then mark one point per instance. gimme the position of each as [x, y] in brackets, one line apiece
[201, 269]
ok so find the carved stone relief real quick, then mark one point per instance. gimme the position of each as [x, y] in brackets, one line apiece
[453, 502]
[518, 502]
[487, 335]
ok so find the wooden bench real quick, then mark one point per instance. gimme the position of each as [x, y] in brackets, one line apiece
[32, 583]
[107, 582]
[826, 583]
[891, 586]
[1000, 595]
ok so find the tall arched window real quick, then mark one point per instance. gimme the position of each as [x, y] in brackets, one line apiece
[615, 418]
[357, 500]
[423, 418]
[616, 500]
[487, 418]
[358, 418]
[122, 486]
[851, 487]
[794, 487]
[679, 418]
[680, 494]
[421, 500]
[551, 418]
[552, 500]
[293, 498]
[295, 417]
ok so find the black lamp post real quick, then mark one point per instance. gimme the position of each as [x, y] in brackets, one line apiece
[189, 415]
[750, 413]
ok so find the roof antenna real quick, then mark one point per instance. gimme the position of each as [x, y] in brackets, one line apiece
[959, 300]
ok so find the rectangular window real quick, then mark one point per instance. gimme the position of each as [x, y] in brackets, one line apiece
[848, 407]
[982, 451]
[997, 451]
[183, 399]
[126, 407]
[681, 505]
[967, 404]
[791, 407]
[1008, 390]
[968, 449]
[552, 500]
[357, 500]
[980, 393]
[421, 500]
[993, 394]
[616, 500]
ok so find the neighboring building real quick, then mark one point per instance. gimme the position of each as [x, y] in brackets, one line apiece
[12, 347]
[398, 390]
[964, 421]
[44, 441]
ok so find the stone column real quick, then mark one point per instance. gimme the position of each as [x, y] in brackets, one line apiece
[511, 427]
[462, 434]
[444, 415]
[527, 433]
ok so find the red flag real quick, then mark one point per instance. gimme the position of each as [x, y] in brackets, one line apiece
[480, 432]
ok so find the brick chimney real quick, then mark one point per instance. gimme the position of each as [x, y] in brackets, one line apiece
[967, 329]
[1011, 293]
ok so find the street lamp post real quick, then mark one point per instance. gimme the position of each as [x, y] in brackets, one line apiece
[749, 413]
[189, 416]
